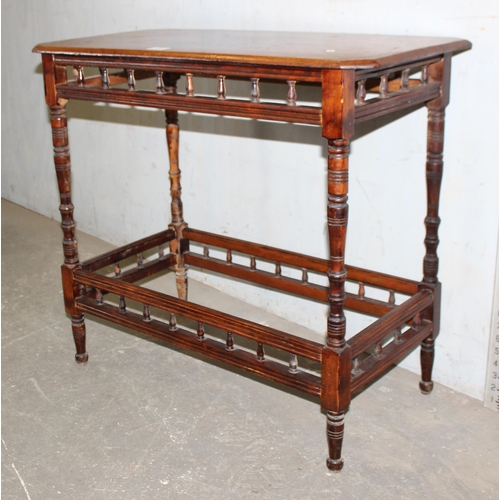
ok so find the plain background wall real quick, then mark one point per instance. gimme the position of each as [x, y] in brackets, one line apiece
[241, 176]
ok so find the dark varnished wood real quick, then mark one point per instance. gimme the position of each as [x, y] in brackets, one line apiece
[301, 288]
[177, 224]
[259, 48]
[438, 72]
[212, 348]
[227, 107]
[245, 328]
[129, 250]
[392, 320]
[149, 269]
[373, 366]
[62, 165]
[294, 259]
[337, 127]
[361, 77]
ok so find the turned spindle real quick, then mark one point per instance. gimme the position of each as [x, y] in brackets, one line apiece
[378, 349]
[384, 86]
[172, 324]
[255, 93]
[260, 351]
[229, 257]
[361, 290]
[122, 308]
[291, 99]
[189, 85]
[305, 277]
[405, 80]
[221, 87]
[104, 77]
[355, 367]
[253, 264]
[140, 260]
[360, 93]
[278, 269]
[98, 296]
[392, 298]
[205, 251]
[229, 342]
[161, 252]
[398, 339]
[131, 79]
[146, 315]
[293, 364]
[159, 82]
[79, 75]
[417, 321]
[118, 271]
[424, 79]
[201, 331]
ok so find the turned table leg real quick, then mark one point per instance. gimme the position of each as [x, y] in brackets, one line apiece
[439, 72]
[179, 245]
[434, 172]
[336, 362]
[63, 170]
[338, 128]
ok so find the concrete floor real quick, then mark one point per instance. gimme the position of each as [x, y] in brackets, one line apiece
[145, 421]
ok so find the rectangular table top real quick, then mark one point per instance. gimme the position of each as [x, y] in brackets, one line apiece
[299, 50]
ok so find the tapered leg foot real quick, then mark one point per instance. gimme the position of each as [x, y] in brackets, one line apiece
[82, 359]
[335, 465]
[427, 362]
[78, 326]
[335, 435]
[426, 387]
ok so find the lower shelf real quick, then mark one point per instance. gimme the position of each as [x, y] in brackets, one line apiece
[212, 348]
[395, 333]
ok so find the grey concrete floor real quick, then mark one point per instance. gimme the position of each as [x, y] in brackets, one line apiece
[143, 420]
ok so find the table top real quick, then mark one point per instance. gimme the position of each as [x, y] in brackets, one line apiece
[300, 50]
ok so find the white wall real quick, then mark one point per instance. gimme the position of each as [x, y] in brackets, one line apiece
[120, 162]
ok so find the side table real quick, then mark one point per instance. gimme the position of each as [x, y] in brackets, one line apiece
[361, 77]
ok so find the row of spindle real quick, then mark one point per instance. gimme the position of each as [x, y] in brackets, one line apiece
[160, 87]
[384, 84]
[253, 263]
[255, 90]
[378, 347]
[260, 354]
[305, 273]
[361, 294]
[200, 331]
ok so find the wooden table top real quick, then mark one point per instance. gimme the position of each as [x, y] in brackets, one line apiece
[300, 50]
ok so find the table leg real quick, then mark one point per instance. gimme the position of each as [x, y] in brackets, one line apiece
[63, 170]
[336, 360]
[177, 246]
[434, 173]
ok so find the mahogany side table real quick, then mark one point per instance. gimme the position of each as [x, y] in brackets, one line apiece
[361, 77]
